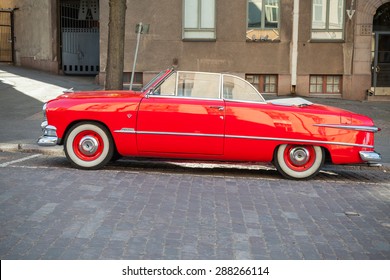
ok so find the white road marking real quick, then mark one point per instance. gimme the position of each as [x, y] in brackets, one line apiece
[19, 160]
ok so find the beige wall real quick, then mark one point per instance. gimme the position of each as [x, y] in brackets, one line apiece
[35, 33]
[229, 53]
[37, 43]
[7, 4]
[232, 53]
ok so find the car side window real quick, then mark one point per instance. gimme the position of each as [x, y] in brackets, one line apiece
[191, 84]
[238, 89]
[198, 85]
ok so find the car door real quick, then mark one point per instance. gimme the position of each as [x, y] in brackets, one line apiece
[249, 123]
[185, 115]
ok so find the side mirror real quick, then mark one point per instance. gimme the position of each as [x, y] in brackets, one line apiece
[149, 92]
[154, 91]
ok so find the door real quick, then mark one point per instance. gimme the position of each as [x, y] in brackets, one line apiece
[381, 69]
[185, 115]
[80, 36]
[6, 41]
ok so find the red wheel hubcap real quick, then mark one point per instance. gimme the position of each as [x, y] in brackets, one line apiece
[299, 158]
[88, 145]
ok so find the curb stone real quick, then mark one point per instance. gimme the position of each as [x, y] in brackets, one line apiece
[31, 148]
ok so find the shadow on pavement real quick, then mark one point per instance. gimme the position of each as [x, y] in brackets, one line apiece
[79, 83]
[18, 114]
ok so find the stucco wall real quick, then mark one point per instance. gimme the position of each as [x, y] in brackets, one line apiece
[37, 43]
[230, 52]
[35, 33]
[7, 4]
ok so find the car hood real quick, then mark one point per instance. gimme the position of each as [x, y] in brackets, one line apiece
[100, 94]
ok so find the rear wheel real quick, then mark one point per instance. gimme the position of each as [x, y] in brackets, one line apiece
[299, 161]
[88, 145]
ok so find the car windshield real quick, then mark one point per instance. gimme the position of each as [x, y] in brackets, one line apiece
[152, 81]
[203, 85]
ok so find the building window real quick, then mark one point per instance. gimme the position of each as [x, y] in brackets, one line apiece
[325, 84]
[263, 20]
[137, 82]
[328, 19]
[199, 19]
[263, 83]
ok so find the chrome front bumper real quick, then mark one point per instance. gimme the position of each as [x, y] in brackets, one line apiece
[370, 156]
[49, 136]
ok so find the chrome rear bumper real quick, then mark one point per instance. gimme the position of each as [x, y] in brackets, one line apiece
[49, 136]
[370, 156]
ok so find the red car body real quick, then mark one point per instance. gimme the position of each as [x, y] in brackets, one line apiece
[191, 123]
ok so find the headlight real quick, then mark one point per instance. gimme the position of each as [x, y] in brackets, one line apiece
[50, 131]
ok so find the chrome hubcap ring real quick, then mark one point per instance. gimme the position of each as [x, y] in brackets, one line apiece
[88, 145]
[299, 156]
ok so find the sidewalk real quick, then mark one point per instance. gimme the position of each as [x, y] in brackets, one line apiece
[24, 91]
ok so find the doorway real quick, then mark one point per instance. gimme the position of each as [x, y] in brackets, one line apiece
[381, 51]
[79, 24]
[6, 36]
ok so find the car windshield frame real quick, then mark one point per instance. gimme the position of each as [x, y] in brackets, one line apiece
[157, 79]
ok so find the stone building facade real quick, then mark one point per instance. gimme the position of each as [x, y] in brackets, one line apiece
[325, 48]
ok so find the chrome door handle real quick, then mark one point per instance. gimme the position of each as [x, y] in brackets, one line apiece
[220, 108]
[377, 69]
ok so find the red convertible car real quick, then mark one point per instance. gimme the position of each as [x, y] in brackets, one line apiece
[206, 116]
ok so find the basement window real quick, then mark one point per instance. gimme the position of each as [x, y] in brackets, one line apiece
[267, 83]
[137, 82]
[325, 84]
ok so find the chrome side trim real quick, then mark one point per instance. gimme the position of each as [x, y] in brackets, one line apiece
[125, 130]
[370, 156]
[181, 134]
[182, 97]
[300, 141]
[351, 127]
[252, 138]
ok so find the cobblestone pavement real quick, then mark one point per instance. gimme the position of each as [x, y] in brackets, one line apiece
[163, 211]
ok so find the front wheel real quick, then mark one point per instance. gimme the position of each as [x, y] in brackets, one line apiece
[88, 145]
[299, 161]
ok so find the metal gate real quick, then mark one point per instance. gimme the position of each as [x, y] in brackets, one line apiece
[6, 42]
[80, 36]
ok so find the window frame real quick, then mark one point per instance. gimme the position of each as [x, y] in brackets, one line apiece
[245, 82]
[138, 80]
[199, 29]
[327, 29]
[221, 78]
[177, 75]
[325, 84]
[260, 86]
[263, 15]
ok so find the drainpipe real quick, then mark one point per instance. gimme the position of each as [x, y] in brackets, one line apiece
[294, 55]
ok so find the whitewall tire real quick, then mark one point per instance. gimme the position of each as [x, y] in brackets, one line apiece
[299, 161]
[88, 145]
